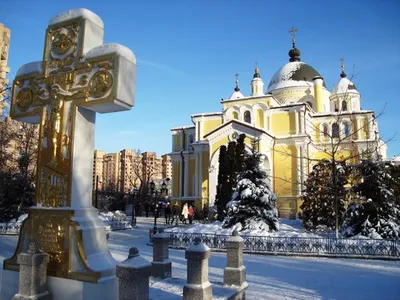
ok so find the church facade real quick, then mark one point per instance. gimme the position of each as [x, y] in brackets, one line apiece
[297, 122]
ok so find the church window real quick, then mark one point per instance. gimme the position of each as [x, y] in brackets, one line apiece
[325, 130]
[191, 139]
[247, 116]
[235, 115]
[344, 105]
[336, 107]
[335, 130]
[346, 129]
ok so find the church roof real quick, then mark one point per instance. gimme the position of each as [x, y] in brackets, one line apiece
[239, 123]
[344, 85]
[293, 74]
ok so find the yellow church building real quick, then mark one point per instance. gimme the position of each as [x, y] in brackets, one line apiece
[297, 122]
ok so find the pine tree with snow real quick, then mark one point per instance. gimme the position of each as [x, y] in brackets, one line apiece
[253, 205]
[378, 214]
[321, 188]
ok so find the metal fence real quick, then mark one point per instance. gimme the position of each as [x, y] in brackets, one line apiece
[11, 228]
[367, 248]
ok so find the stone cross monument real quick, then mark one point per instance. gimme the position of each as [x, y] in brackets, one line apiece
[78, 76]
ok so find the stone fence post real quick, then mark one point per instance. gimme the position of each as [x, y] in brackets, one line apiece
[161, 265]
[32, 274]
[235, 271]
[133, 275]
[198, 287]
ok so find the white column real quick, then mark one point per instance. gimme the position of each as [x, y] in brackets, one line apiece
[186, 174]
[301, 122]
[298, 169]
[296, 119]
[196, 182]
[200, 179]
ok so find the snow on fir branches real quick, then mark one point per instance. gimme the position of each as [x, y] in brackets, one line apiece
[375, 212]
[253, 205]
[325, 186]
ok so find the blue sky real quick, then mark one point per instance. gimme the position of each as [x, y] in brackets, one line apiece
[189, 51]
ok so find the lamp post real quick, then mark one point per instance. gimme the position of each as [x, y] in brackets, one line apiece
[152, 188]
[135, 193]
[96, 203]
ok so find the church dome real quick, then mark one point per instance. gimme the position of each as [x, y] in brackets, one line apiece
[293, 74]
[344, 85]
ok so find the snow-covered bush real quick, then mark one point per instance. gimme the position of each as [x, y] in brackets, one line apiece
[253, 205]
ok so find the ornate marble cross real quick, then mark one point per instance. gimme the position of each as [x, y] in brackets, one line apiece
[77, 77]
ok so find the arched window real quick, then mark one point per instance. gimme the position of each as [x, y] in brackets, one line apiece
[247, 116]
[191, 139]
[235, 115]
[325, 130]
[346, 129]
[344, 105]
[335, 130]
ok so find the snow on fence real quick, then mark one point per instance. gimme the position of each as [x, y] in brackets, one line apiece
[10, 227]
[366, 248]
[112, 221]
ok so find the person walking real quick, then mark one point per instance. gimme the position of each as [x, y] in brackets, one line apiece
[205, 213]
[167, 213]
[185, 213]
[191, 214]
[175, 214]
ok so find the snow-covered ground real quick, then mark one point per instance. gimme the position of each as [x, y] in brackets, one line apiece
[287, 228]
[269, 277]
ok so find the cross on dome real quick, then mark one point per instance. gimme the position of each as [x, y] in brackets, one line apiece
[237, 89]
[294, 53]
[343, 74]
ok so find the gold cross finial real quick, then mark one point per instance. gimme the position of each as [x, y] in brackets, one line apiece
[237, 89]
[342, 64]
[293, 31]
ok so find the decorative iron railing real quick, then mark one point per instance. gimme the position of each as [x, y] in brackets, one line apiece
[296, 245]
[11, 228]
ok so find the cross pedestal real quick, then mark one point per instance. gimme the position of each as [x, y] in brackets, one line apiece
[78, 77]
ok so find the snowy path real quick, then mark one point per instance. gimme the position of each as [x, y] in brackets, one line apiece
[269, 277]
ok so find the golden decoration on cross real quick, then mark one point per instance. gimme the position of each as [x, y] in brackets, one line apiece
[51, 94]
[342, 64]
[293, 31]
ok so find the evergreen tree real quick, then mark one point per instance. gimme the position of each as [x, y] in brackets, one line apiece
[240, 152]
[232, 169]
[378, 215]
[253, 205]
[318, 207]
[222, 197]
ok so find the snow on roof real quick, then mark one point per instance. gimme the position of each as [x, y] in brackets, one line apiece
[32, 67]
[236, 95]
[77, 13]
[112, 48]
[293, 74]
[344, 86]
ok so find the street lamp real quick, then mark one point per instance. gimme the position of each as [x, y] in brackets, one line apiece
[152, 188]
[135, 193]
[98, 180]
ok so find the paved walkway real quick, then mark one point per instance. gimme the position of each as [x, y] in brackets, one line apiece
[269, 277]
